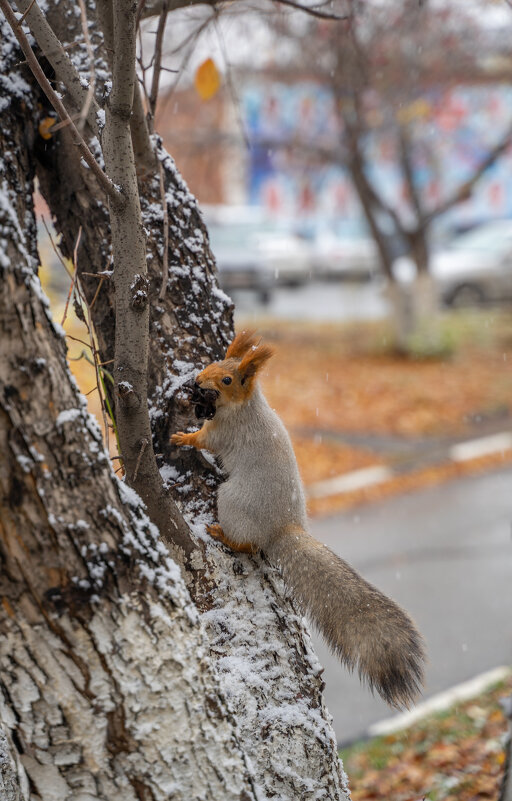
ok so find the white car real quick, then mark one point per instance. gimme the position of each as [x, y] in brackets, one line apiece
[476, 267]
[343, 250]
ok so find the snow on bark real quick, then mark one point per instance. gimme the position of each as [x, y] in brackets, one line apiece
[270, 679]
[106, 685]
[13, 779]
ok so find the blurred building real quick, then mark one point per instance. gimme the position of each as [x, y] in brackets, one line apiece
[203, 139]
[270, 146]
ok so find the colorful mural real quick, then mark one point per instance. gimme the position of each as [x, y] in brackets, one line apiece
[453, 128]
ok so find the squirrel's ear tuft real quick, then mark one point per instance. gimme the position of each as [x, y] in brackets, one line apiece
[241, 344]
[254, 360]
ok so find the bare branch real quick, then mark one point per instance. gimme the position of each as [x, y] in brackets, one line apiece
[313, 11]
[165, 260]
[73, 282]
[152, 9]
[143, 446]
[92, 81]
[56, 54]
[103, 179]
[463, 192]
[408, 171]
[22, 18]
[157, 61]
[231, 86]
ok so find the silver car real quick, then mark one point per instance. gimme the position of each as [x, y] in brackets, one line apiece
[476, 267]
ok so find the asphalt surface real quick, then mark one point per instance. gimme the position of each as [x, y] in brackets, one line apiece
[445, 554]
[340, 301]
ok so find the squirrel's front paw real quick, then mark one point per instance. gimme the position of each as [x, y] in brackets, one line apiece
[179, 439]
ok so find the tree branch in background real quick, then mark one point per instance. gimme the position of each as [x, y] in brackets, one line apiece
[464, 191]
[157, 62]
[103, 179]
[147, 8]
[404, 143]
[132, 290]
[313, 11]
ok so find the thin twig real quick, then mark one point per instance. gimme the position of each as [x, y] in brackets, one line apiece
[143, 446]
[55, 249]
[95, 355]
[22, 18]
[73, 282]
[312, 11]
[144, 69]
[93, 301]
[184, 63]
[60, 125]
[92, 82]
[140, 9]
[103, 179]
[157, 61]
[75, 249]
[165, 210]
[231, 86]
[76, 339]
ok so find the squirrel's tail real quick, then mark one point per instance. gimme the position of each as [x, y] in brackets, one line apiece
[367, 630]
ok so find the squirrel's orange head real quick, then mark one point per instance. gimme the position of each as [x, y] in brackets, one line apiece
[233, 379]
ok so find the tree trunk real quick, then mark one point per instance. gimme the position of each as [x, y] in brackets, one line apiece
[106, 682]
[108, 671]
[415, 315]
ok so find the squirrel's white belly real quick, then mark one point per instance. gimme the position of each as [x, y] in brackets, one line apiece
[254, 504]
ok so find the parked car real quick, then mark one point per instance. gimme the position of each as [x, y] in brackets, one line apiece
[343, 249]
[254, 251]
[476, 267]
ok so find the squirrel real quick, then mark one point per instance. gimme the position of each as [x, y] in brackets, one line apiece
[261, 506]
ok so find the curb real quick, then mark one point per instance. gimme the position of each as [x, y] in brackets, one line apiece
[439, 702]
[379, 474]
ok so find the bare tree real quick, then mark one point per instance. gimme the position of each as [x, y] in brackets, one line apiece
[401, 54]
[380, 65]
[122, 673]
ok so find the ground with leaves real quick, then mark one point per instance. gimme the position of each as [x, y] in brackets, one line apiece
[333, 381]
[457, 755]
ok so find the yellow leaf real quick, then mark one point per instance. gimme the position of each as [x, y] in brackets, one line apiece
[207, 79]
[45, 126]
[419, 109]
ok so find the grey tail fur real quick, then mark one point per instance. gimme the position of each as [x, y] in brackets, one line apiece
[367, 630]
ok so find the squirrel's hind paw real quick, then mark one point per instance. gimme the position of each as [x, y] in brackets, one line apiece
[216, 531]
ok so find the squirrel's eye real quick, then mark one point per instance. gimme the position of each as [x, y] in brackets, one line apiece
[227, 380]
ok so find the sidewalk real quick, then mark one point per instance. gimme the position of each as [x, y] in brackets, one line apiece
[407, 463]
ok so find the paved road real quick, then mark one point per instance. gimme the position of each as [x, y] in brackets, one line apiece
[341, 301]
[444, 553]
